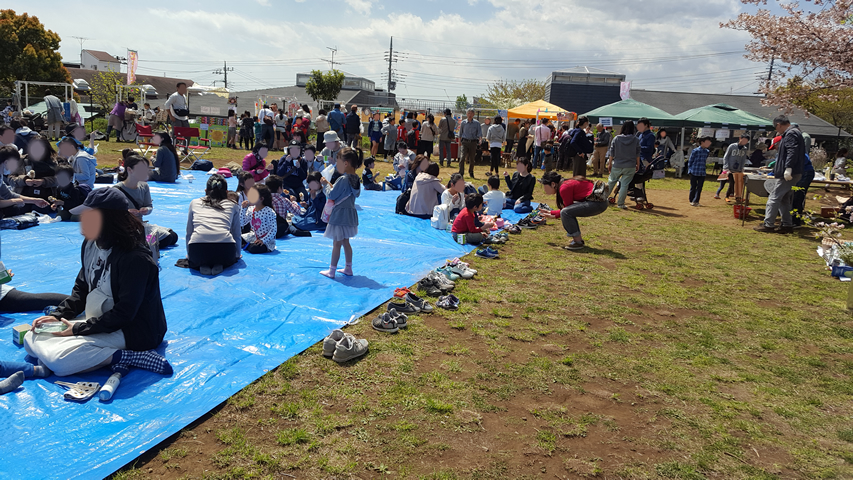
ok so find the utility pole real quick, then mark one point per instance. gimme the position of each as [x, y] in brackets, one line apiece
[333, 50]
[81, 39]
[224, 71]
[390, 59]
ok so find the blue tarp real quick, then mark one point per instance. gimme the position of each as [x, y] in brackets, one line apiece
[224, 332]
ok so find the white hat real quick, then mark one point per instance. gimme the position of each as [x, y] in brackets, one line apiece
[331, 136]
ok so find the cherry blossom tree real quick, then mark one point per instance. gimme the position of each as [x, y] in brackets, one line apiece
[813, 42]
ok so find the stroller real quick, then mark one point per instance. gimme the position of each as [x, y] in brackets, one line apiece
[637, 189]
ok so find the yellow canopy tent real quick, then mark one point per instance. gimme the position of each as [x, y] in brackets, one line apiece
[543, 108]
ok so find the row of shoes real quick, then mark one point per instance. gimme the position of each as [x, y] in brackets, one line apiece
[436, 284]
[343, 347]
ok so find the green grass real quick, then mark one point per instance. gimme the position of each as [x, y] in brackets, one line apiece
[670, 348]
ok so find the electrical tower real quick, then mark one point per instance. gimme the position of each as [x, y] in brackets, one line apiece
[224, 71]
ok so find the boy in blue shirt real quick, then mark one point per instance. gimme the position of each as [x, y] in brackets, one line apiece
[697, 169]
[367, 177]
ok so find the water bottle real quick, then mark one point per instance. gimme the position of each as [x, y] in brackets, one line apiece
[110, 387]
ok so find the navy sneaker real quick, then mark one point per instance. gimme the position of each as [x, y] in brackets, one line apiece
[486, 253]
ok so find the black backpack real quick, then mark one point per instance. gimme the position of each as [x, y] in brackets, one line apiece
[402, 201]
[566, 149]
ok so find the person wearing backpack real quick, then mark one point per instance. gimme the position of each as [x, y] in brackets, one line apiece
[575, 199]
[582, 146]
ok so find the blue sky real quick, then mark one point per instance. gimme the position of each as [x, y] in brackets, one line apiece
[446, 48]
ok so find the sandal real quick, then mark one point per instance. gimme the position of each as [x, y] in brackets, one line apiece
[401, 292]
[80, 391]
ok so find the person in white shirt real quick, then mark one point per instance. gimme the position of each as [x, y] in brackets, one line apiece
[540, 135]
[266, 118]
[840, 166]
[494, 198]
[496, 136]
[177, 107]
[148, 115]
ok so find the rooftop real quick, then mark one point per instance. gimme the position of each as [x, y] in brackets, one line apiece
[102, 56]
[677, 102]
[580, 70]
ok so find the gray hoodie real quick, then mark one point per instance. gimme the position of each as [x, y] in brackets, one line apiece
[624, 150]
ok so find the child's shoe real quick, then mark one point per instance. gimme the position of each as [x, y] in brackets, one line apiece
[403, 307]
[384, 323]
[332, 340]
[401, 292]
[418, 302]
[447, 273]
[401, 319]
[349, 348]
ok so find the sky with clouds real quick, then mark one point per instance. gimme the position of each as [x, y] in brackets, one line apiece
[444, 48]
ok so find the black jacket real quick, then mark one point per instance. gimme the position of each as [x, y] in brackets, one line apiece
[792, 153]
[138, 310]
[353, 124]
[520, 188]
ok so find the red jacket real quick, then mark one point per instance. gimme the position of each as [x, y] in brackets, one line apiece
[466, 222]
[572, 191]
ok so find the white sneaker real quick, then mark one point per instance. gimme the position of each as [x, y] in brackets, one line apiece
[349, 348]
[330, 342]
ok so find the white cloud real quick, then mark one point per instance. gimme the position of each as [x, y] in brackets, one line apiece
[265, 3]
[448, 50]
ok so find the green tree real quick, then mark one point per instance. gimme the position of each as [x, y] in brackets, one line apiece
[28, 51]
[324, 86]
[103, 88]
[506, 94]
[462, 102]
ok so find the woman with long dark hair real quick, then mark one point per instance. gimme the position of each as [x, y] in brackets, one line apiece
[114, 316]
[167, 164]
[133, 183]
[213, 229]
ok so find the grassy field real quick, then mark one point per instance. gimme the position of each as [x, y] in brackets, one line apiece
[679, 345]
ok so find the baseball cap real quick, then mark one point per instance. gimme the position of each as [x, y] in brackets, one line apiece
[106, 198]
[775, 142]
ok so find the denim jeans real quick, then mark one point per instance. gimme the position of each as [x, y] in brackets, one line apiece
[780, 200]
[696, 184]
[538, 156]
[523, 207]
[800, 195]
[569, 215]
[624, 177]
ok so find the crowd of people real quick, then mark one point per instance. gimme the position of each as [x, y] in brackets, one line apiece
[303, 192]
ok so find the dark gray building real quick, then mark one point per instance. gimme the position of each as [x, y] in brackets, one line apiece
[581, 89]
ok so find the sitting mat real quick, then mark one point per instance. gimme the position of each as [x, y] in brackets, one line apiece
[224, 332]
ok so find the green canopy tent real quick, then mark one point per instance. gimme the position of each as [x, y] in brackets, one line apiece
[723, 116]
[630, 109]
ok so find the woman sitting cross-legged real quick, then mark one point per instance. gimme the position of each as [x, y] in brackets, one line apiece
[114, 316]
[213, 229]
[573, 201]
[167, 165]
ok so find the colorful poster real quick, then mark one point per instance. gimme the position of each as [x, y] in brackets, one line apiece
[132, 63]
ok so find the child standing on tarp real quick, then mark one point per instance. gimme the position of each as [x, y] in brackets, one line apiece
[343, 219]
